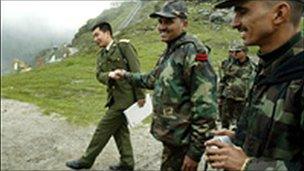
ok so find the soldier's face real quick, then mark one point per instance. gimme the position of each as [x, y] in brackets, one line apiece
[230, 53]
[101, 38]
[253, 20]
[169, 29]
[239, 55]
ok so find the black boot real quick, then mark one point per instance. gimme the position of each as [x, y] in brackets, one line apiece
[78, 164]
[120, 167]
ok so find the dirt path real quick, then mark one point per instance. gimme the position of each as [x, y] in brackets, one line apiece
[32, 141]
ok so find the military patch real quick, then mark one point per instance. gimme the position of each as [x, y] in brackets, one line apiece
[124, 40]
[201, 57]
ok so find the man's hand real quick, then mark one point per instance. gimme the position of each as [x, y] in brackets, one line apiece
[141, 102]
[224, 156]
[113, 76]
[189, 164]
[118, 74]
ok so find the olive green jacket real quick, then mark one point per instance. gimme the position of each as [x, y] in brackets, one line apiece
[121, 55]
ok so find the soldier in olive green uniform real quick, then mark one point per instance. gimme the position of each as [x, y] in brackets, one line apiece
[235, 84]
[121, 94]
[184, 98]
[222, 69]
[270, 131]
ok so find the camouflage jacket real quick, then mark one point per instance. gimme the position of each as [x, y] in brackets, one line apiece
[223, 67]
[271, 129]
[184, 98]
[121, 55]
[221, 71]
[237, 80]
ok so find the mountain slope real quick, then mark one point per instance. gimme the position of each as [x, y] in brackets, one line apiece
[70, 89]
[119, 18]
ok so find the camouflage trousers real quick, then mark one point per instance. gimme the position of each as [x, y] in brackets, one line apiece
[173, 157]
[231, 111]
[114, 123]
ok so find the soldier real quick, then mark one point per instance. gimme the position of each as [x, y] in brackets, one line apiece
[235, 85]
[221, 85]
[121, 95]
[184, 84]
[225, 63]
[270, 132]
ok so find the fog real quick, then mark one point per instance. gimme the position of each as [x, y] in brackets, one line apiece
[28, 27]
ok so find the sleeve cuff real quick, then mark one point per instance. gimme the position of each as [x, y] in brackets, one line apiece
[256, 164]
[103, 78]
[128, 76]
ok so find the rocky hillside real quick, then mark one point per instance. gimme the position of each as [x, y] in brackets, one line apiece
[209, 25]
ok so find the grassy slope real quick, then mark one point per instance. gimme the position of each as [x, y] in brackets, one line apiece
[70, 88]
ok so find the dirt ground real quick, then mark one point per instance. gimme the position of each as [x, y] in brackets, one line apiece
[32, 141]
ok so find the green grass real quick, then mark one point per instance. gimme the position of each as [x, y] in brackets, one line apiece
[70, 88]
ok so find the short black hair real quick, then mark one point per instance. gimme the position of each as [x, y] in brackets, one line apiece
[297, 10]
[103, 26]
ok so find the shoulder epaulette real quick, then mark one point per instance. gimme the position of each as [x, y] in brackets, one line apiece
[124, 40]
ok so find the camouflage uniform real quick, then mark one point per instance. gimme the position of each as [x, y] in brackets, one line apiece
[221, 71]
[223, 66]
[272, 127]
[233, 89]
[184, 100]
[121, 95]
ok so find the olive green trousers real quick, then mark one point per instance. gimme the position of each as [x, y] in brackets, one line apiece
[114, 124]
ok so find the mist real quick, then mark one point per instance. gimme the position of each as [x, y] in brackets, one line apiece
[28, 27]
[23, 40]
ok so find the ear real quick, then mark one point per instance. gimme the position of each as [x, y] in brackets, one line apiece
[185, 23]
[282, 12]
[108, 34]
